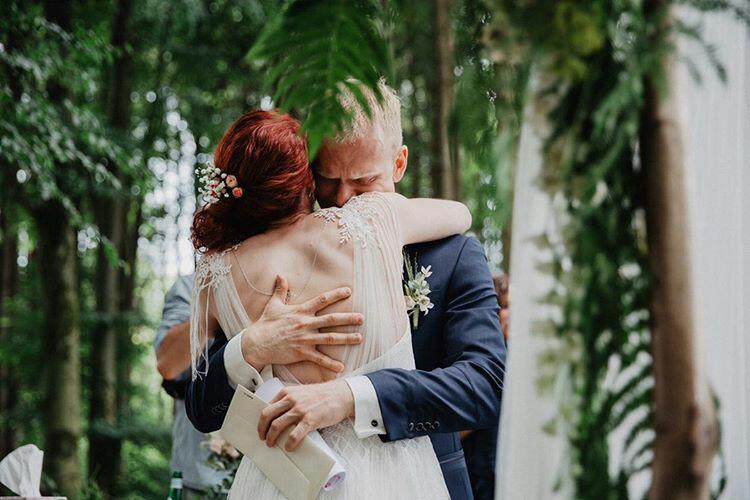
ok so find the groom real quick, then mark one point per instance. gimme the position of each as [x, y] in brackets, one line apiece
[458, 346]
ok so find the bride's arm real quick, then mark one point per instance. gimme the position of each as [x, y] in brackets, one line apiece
[428, 219]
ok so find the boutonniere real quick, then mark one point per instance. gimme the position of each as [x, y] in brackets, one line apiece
[417, 291]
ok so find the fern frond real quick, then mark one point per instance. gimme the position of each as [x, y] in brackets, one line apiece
[313, 50]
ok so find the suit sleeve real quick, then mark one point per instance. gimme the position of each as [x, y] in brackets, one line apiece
[465, 392]
[208, 397]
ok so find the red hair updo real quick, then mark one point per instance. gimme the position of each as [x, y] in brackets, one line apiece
[265, 153]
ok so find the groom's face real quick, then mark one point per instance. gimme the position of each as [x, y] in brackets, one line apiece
[344, 170]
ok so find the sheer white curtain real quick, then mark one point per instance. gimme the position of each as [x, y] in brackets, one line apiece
[528, 459]
[717, 140]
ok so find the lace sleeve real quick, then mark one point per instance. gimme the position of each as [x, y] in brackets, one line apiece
[200, 314]
[215, 304]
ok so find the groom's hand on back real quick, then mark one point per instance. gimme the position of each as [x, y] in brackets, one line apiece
[287, 334]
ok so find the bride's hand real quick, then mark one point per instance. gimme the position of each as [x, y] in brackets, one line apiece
[310, 407]
[287, 334]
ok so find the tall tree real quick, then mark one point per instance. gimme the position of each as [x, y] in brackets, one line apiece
[8, 284]
[62, 329]
[8, 288]
[443, 185]
[685, 422]
[110, 215]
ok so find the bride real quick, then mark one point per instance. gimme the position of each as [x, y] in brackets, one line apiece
[260, 224]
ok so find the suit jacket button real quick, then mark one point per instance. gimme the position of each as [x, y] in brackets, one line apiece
[436, 424]
[420, 426]
[411, 426]
[374, 423]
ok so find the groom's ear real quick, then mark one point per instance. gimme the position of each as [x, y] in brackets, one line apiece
[399, 165]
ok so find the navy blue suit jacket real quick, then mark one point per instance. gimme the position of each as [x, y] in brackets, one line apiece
[460, 359]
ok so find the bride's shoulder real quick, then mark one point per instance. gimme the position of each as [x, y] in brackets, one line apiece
[355, 218]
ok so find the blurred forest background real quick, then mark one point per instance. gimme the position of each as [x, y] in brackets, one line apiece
[106, 109]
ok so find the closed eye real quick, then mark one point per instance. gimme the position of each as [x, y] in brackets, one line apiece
[366, 180]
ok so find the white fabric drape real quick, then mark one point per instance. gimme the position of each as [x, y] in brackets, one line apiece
[528, 459]
[717, 140]
[717, 145]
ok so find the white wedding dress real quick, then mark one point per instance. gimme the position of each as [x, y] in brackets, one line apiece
[405, 469]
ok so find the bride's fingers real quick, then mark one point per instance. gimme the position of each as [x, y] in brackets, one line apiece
[334, 338]
[336, 319]
[297, 435]
[278, 426]
[321, 359]
[269, 413]
[326, 299]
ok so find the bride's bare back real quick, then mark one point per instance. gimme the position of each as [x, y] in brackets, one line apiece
[358, 245]
[309, 255]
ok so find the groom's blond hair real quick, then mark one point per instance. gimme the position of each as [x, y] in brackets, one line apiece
[383, 122]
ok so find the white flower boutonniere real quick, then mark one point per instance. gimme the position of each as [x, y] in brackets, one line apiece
[417, 291]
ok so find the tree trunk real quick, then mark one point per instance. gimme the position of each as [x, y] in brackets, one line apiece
[105, 442]
[685, 423]
[8, 288]
[455, 163]
[132, 219]
[415, 164]
[62, 413]
[62, 329]
[442, 97]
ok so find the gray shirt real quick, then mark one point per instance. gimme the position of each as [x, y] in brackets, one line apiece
[188, 453]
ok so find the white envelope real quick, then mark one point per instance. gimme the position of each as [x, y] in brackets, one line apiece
[300, 474]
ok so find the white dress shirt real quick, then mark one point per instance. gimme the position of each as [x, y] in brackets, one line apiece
[368, 420]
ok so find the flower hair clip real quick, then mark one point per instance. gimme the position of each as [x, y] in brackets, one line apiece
[215, 184]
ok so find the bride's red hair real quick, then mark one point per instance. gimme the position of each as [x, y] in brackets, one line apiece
[266, 154]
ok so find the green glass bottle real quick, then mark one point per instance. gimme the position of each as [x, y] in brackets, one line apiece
[175, 486]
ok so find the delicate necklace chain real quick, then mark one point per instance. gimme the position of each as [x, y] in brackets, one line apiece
[289, 295]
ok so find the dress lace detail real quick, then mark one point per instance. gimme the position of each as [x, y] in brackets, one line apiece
[211, 269]
[354, 219]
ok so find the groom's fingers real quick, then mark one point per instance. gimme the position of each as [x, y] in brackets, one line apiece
[281, 287]
[336, 319]
[334, 338]
[326, 299]
[269, 413]
[321, 359]
[297, 435]
[278, 426]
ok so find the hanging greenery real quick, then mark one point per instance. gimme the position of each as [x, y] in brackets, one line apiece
[591, 59]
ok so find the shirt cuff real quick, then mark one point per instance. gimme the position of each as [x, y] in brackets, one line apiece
[368, 421]
[239, 371]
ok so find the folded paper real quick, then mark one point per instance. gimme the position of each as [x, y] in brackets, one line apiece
[299, 475]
